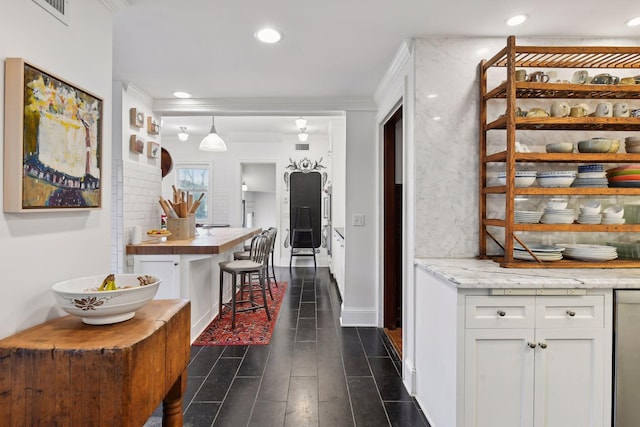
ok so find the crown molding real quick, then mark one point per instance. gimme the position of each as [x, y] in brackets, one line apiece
[115, 6]
[261, 106]
[138, 93]
[394, 72]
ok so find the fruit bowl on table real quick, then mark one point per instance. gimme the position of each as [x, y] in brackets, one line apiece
[159, 235]
[81, 297]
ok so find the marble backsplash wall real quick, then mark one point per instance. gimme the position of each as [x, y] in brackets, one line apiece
[446, 143]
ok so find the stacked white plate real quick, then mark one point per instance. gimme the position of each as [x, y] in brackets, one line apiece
[611, 221]
[591, 179]
[584, 252]
[589, 218]
[558, 216]
[527, 217]
[543, 252]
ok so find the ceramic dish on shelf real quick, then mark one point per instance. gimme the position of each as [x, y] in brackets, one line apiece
[525, 256]
[555, 181]
[527, 217]
[586, 252]
[619, 169]
[559, 147]
[591, 168]
[615, 211]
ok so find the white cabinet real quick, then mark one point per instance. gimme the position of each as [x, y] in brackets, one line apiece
[165, 266]
[535, 361]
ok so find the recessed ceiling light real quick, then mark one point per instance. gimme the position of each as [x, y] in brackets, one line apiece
[516, 20]
[633, 21]
[432, 95]
[268, 35]
[182, 95]
[436, 118]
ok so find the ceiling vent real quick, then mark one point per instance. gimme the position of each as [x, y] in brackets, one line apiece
[302, 147]
[58, 8]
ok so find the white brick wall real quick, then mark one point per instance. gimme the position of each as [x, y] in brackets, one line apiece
[137, 200]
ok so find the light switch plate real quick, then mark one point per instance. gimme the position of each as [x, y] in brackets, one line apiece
[357, 220]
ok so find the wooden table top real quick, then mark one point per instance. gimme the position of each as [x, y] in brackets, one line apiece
[69, 332]
[219, 240]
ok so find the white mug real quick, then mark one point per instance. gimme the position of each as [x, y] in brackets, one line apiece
[604, 109]
[620, 109]
[560, 109]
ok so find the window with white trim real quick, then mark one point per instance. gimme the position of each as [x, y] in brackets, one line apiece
[197, 179]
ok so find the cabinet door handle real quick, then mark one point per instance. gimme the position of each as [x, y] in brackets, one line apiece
[542, 345]
[531, 344]
[501, 313]
[571, 313]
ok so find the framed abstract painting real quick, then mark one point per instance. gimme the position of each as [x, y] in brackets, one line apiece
[52, 142]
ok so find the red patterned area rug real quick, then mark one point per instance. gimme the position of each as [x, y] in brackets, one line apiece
[252, 327]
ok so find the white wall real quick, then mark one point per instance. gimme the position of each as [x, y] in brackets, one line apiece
[40, 249]
[360, 297]
[136, 177]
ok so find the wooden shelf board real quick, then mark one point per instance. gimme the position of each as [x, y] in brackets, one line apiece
[573, 228]
[569, 123]
[566, 263]
[566, 91]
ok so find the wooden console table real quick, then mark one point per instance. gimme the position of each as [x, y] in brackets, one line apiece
[66, 373]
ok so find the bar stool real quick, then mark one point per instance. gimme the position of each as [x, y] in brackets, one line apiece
[256, 265]
[302, 235]
[246, 254]
[271, 262]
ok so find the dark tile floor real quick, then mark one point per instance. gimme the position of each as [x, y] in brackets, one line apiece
[313, 372]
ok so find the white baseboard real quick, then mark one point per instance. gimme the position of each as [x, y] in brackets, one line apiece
[409, 376]
[358, 316]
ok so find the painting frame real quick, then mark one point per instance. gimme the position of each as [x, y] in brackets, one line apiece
[53, 142]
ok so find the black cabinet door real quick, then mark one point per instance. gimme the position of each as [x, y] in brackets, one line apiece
[306, 192]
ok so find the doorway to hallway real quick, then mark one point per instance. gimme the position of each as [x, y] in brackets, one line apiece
[392, 228]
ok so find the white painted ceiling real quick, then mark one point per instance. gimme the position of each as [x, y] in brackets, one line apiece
[329, 48]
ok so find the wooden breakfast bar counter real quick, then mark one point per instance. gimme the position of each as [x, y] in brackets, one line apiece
[189, 268]
[217, 241]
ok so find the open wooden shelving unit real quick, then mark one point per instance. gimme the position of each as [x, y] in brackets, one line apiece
[509, 91]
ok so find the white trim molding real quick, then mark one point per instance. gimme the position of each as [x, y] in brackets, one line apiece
[330, 106]
[137, 93]
[359, 316]
[393, 74]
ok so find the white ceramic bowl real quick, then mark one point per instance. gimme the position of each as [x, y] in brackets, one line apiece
[521, 181]
[616, 211]
[559, 147]
[592, 207]
[557, 204]
[555, 181]
[81, 298]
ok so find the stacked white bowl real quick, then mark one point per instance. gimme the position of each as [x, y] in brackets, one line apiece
[590, 212]
[591, 176]
[613, 215]
[556, 178]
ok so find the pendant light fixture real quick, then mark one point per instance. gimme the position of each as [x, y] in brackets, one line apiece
[183, 135]
[213, 142]
[301, 124]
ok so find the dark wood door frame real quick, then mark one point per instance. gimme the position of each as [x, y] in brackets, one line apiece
[392, 241]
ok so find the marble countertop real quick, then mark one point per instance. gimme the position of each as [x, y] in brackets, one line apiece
[471, 273]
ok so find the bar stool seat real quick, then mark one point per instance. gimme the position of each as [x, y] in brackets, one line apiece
[254, 266]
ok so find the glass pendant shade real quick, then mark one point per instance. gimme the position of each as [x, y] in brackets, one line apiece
[213, 142]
